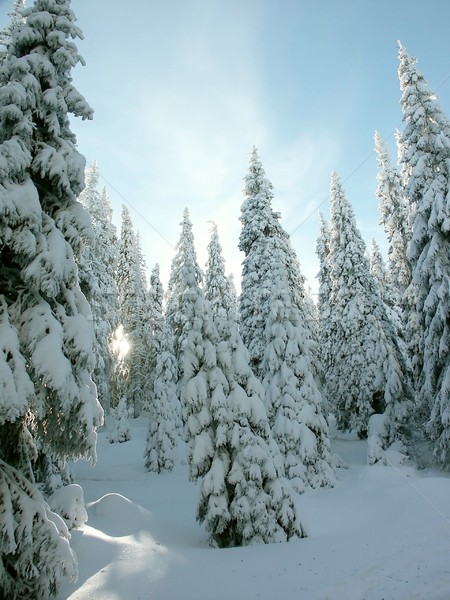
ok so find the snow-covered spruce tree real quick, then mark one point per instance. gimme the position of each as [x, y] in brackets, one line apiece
[366, 372]
[162, 437]
[176, 308]
[120, 423]
[42, 226]
[35, 555]
[156, 299]
[309, 316]
[100, 258]
[140, 358]
[219, 289]
[293, 400]
[378, 270]
[388, 293]
[46, 366]
[16, 20]
[120, 347]
[131, 282]
[233, 297]
[154, 322]
[394, 216]
[129, 276]
[424, 148]
[244, 498]
[260, 223]
[324, 309]
[276, 325]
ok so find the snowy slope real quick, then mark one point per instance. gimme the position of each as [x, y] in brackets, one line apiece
[380, 534]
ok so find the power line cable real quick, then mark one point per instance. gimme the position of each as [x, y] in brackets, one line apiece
[369, 156]
[138, 212]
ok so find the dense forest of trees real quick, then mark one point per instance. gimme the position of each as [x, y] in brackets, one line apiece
[249, 383]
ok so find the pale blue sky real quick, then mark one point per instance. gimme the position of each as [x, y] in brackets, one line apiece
[183, 88]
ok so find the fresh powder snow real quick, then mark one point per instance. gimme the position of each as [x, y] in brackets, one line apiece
[381, 532]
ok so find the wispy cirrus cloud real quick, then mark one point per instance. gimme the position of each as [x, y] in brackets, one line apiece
[196, 101]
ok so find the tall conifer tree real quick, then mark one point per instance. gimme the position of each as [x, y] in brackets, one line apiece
[259, 222]
[219, 290]
[324, 309]
[162, 437]
[394, 216]
[293, 400]
[244, 498]
[155, 299]
[99, 259]
[378, 271]
[43, 232]
[134, 314]
[425, 158]
[176, 301]
[16, 20]
[129, 276]
[47, 337]
[366, 370]
[276, 325]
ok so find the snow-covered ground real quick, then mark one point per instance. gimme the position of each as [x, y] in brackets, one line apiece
[380, 534]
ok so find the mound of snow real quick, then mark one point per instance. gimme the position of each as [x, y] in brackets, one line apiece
[68, 503]
[118, 516]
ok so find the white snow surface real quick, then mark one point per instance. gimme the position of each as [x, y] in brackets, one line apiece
[383, 533]
[68, 503]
